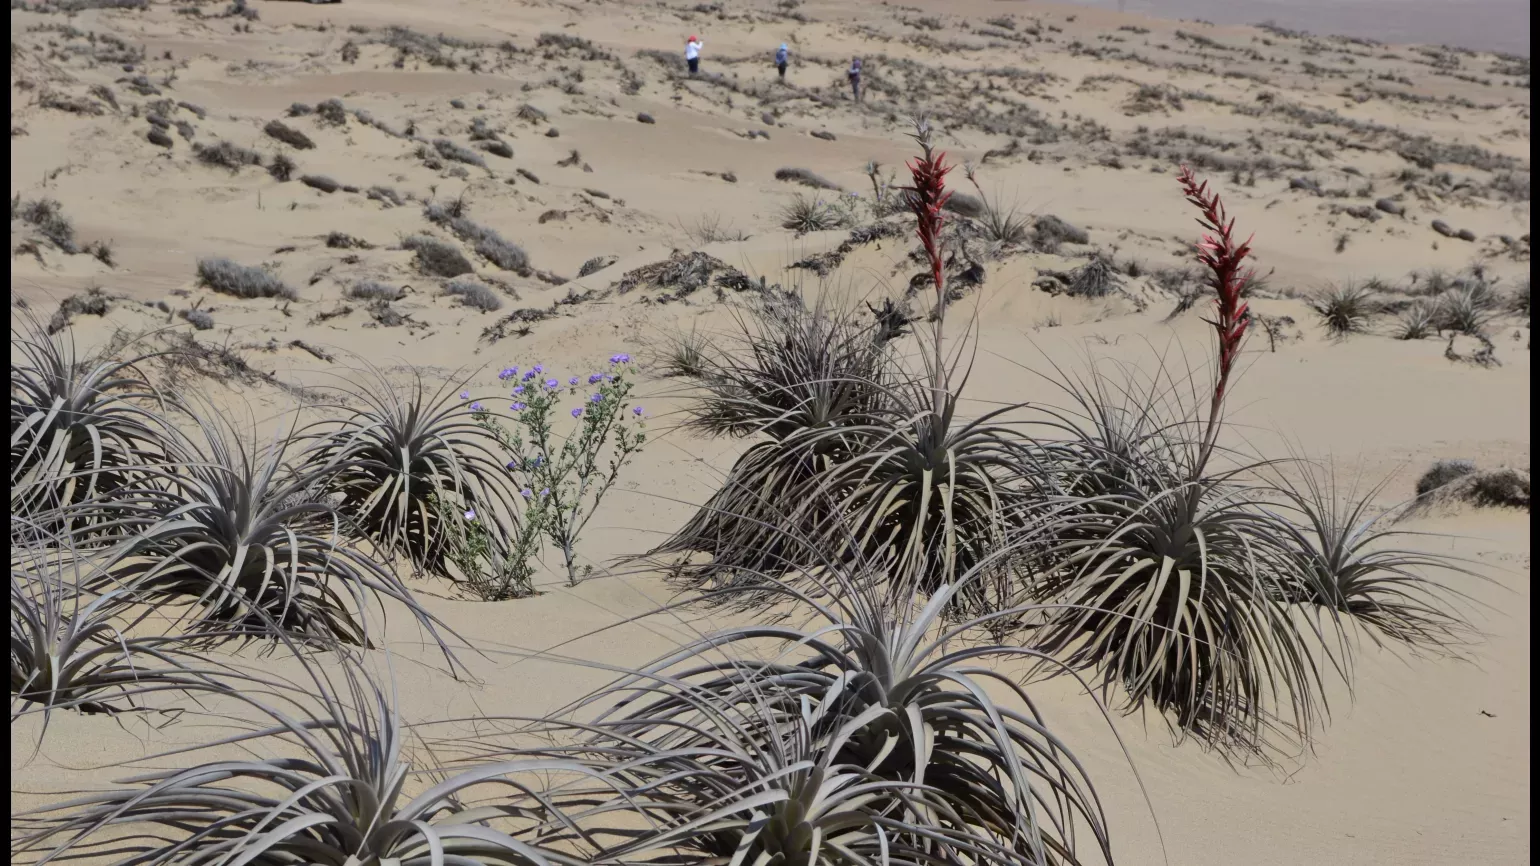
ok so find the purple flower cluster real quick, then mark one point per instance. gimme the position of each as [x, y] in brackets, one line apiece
[621, 358]
[508, 373]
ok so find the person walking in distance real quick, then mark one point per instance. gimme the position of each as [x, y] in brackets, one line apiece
[692, 54]
[855, 79]
[782, 55]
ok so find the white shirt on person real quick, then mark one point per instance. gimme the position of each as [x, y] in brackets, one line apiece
[691, 50]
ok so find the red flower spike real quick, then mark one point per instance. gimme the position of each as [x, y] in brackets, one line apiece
[926, 198]
[1222, 256]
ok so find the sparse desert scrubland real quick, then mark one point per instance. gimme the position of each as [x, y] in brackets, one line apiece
[472, 438]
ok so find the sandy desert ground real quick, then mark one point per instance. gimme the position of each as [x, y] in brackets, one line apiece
[571, 130]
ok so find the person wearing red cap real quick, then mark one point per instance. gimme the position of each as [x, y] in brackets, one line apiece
[692, 54]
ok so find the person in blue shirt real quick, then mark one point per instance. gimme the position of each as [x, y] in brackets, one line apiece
[782, 55]
[855, 78]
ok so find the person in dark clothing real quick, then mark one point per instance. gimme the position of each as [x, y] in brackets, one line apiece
[782, 55]
[855, 79]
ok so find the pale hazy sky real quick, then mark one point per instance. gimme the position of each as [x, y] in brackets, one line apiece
[1493, 25]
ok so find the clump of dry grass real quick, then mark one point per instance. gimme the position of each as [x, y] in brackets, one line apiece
[282, 168]
[370, 290]
[595, 264]
[343, 241]
[1450, 482]
[1097, 278]
[102, 251]
[227, 155]
[288, 135]
[438, 258]
[458, 153]
[229, 278]
[483, 239]
[805, 178]
[320, 182]
[332, 112]
[47, 216]
[498, 148]
[473, 294]
[199, 319]
[1442, 473]
[386, 195]
[1048, 232]
[91, 302]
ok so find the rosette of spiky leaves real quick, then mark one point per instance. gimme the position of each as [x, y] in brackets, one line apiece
[790, 374]
[75, 429]
[1354, 566]
[76, 650]
[930, 494]
[789, 368]
[403, 455]
[326, 778]
[248, 541]
[759, 785]
[1169, 588]
[880, 694]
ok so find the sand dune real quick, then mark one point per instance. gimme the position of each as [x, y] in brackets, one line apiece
[1351, 161]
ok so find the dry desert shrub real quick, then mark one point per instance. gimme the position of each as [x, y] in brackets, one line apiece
[438, 258]
[320, 182]
[226, 155]
[805, 178]
[371, 290]
[229, 278]
[473, 294]
[288, 135]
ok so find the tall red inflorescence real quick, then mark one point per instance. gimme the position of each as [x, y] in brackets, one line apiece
[926, 198]
[1223, 257]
